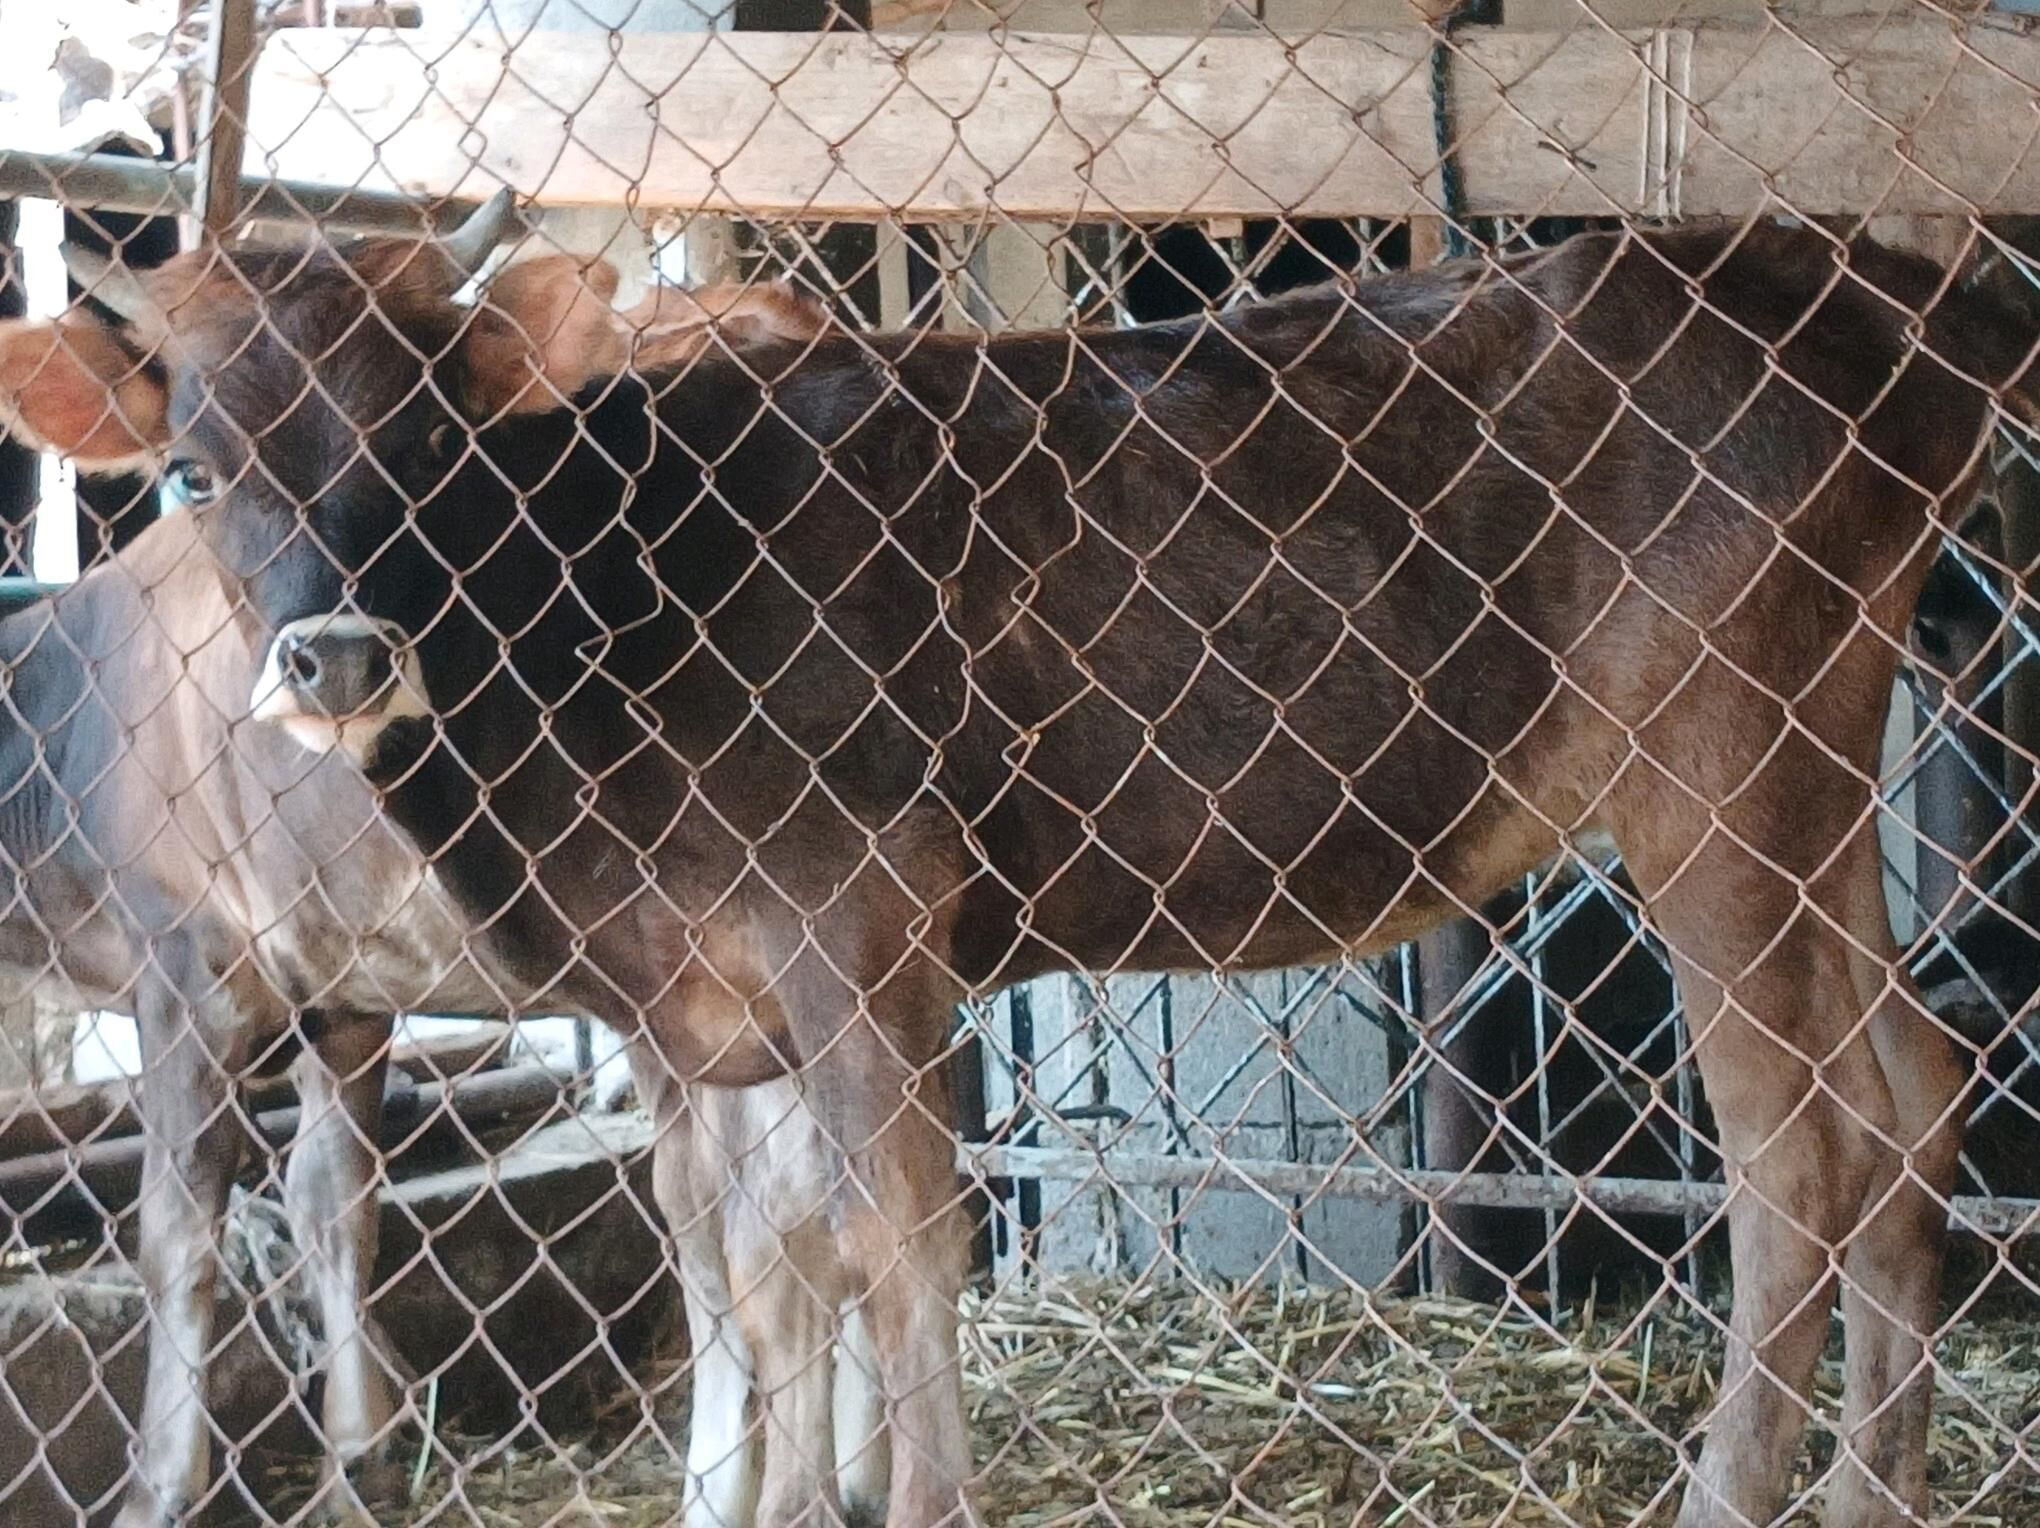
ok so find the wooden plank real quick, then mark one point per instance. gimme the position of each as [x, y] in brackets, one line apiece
[73, 1192]
[1690, 120]
[35, 1120]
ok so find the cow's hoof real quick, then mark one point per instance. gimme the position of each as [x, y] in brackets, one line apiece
[149, 1513]
[863, 1511]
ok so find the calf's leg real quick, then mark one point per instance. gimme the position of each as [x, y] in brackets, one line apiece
[330, 1187]
[787, 1279]
[721, 1489]
[884, 1106]
[193, 1142]
[788, 1318]
[863, 1454]
[1891, 1277]
[1798, 1094]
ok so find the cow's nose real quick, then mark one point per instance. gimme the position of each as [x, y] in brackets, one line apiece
[338, 668]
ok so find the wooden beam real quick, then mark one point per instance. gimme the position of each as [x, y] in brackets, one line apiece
[76, 1191]
[1680, 121]
[115, 183]
[1427, 241]
[75, 1115]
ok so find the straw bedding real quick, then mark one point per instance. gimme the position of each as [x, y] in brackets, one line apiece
[1173, 1403]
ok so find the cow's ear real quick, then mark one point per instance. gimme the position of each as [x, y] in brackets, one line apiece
[72, 387]
[545, 328]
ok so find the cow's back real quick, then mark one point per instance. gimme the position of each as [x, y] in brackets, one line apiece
[1246, 639]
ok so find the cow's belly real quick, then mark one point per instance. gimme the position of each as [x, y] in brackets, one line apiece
[79, 969]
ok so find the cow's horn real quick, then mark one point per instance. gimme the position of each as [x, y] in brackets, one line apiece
[107, 281]
[481, 231]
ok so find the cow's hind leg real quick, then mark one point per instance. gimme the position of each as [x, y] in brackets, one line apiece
[788, 1317]
[1797, 1092]
[193, 1142]
[883, 1102]
[330, 1192]
[1892, 1274]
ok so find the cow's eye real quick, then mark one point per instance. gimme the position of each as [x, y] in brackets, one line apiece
[445, 439]
[192, 482]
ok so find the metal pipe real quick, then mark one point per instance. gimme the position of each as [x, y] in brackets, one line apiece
[1534, 887]
[111, 183]
[1635, 1196]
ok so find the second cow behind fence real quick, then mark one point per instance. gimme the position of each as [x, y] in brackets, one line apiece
[766, 707]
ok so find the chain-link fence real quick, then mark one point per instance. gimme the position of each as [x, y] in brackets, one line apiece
[1374, 662]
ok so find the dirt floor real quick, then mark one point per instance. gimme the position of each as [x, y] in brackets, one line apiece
[1175, 1404]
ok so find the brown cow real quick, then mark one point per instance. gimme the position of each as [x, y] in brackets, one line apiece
[776, 704]
[254, 896]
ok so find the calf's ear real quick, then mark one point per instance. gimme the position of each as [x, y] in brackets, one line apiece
[72, 387]
[544, 328]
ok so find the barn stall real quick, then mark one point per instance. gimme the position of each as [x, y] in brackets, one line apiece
[1427, 1237]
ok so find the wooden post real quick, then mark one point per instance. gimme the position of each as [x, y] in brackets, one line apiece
[2019, 503]
[230, 68]
[848, 252]
[1427, 240]
[35, 1046]
[183, 142]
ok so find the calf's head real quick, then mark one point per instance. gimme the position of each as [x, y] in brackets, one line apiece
[311, 405]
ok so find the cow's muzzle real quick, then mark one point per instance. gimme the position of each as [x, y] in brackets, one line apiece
[335, 681]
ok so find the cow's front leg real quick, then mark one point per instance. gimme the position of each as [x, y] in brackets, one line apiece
[330, 1192]
[193, 1138]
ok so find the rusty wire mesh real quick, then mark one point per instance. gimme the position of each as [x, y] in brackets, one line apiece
[1431, 1227]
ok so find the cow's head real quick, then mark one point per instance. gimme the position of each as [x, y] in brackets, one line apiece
[309, 403]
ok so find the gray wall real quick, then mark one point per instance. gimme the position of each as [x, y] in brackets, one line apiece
[1279, 1066]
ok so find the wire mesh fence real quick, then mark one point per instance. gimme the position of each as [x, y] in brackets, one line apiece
[1228, 763]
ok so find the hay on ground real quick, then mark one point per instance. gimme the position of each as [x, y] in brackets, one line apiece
[1170, 1404]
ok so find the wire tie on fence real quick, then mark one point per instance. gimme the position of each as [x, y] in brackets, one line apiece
[1451, 187]
[425, 1443]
